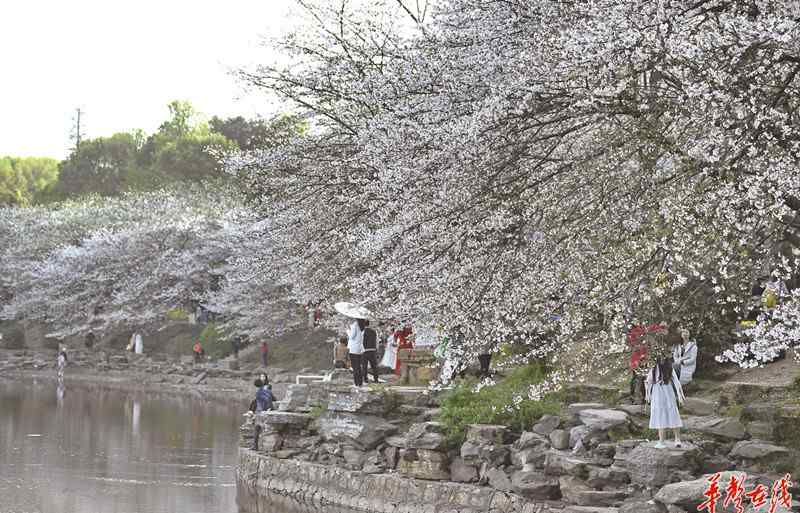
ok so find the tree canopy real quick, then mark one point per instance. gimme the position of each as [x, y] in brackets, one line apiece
[185, 147]
[26, 180]
[483, 166]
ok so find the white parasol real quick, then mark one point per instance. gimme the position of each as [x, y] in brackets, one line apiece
[352, 310]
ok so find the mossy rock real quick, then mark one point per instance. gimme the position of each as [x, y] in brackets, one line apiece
[589, 394]
[787, 429]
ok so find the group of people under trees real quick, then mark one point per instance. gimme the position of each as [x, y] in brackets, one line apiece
[360, 348]
[664, 362]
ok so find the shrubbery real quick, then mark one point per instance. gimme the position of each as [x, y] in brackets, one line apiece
[506, 403]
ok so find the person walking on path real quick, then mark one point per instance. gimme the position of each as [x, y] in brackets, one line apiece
[355, 348]
[370, 353]
[664, 392]
[684, 355]
[264, 353]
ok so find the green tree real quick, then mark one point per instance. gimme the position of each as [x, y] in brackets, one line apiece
[27, 180]
[250, 134]
[184, 147]
[103, 165]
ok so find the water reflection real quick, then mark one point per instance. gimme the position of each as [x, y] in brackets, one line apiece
[88, 450]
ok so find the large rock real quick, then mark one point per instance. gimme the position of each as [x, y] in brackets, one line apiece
[424, 464]
[578, 492]
[528, 459]
[546, 425]
[608, 477]
[355, 400]
[575, 408]
[535, 486]
[570, 487]
[758, 450]
[488, 433]
[602, 419]
[761, 430]
[363, 431]
[354, 457]
[601, 497]
[697, 406]
[425, 435]
[391, 455]
[588, 509]
[498, 480]
[528, 440]
[296, 398]
[530, 450]
[269, 443]
[283, 418]
[579, 434]
[559, 464]
[480, 447]
[634, 409]
[689, 494]
[463, 472]
[559, 439]
[723, 427]
[652, 467]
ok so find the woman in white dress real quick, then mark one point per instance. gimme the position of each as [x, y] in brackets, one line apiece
[663, 391]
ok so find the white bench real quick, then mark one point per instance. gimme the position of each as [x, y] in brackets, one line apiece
[313, 377]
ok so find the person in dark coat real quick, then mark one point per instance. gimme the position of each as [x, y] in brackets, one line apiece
[370, 353]
[264, 401]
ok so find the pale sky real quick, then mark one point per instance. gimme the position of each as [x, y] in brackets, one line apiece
[122, 61]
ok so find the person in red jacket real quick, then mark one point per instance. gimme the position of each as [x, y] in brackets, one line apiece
[402, 337]
[639, 351]
[264, 353]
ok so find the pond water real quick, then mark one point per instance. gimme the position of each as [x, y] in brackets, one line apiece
[89, 450]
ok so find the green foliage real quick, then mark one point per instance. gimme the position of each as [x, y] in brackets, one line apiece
[214, 345]
[391, 399]
[185, 147]
[462, 406]
[734, 410]
[101, 166]
[316, 411]
[24, 181]
[251, 134]
[177, 314]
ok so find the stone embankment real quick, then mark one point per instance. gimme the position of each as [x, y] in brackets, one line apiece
[337, 447]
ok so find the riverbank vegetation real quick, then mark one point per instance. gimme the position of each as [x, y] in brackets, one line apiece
[507, 403]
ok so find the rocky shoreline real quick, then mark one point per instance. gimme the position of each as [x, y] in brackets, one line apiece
[141, 373]
[378, 450]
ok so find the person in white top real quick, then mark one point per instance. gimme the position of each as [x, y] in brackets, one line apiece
[138, 344]
[685, 357]
[355, 346]
[663, 391]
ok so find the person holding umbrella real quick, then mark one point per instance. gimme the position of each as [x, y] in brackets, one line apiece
[355, 336]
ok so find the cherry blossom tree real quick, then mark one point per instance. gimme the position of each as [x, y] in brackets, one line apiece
[102, 264]
[485, 165]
